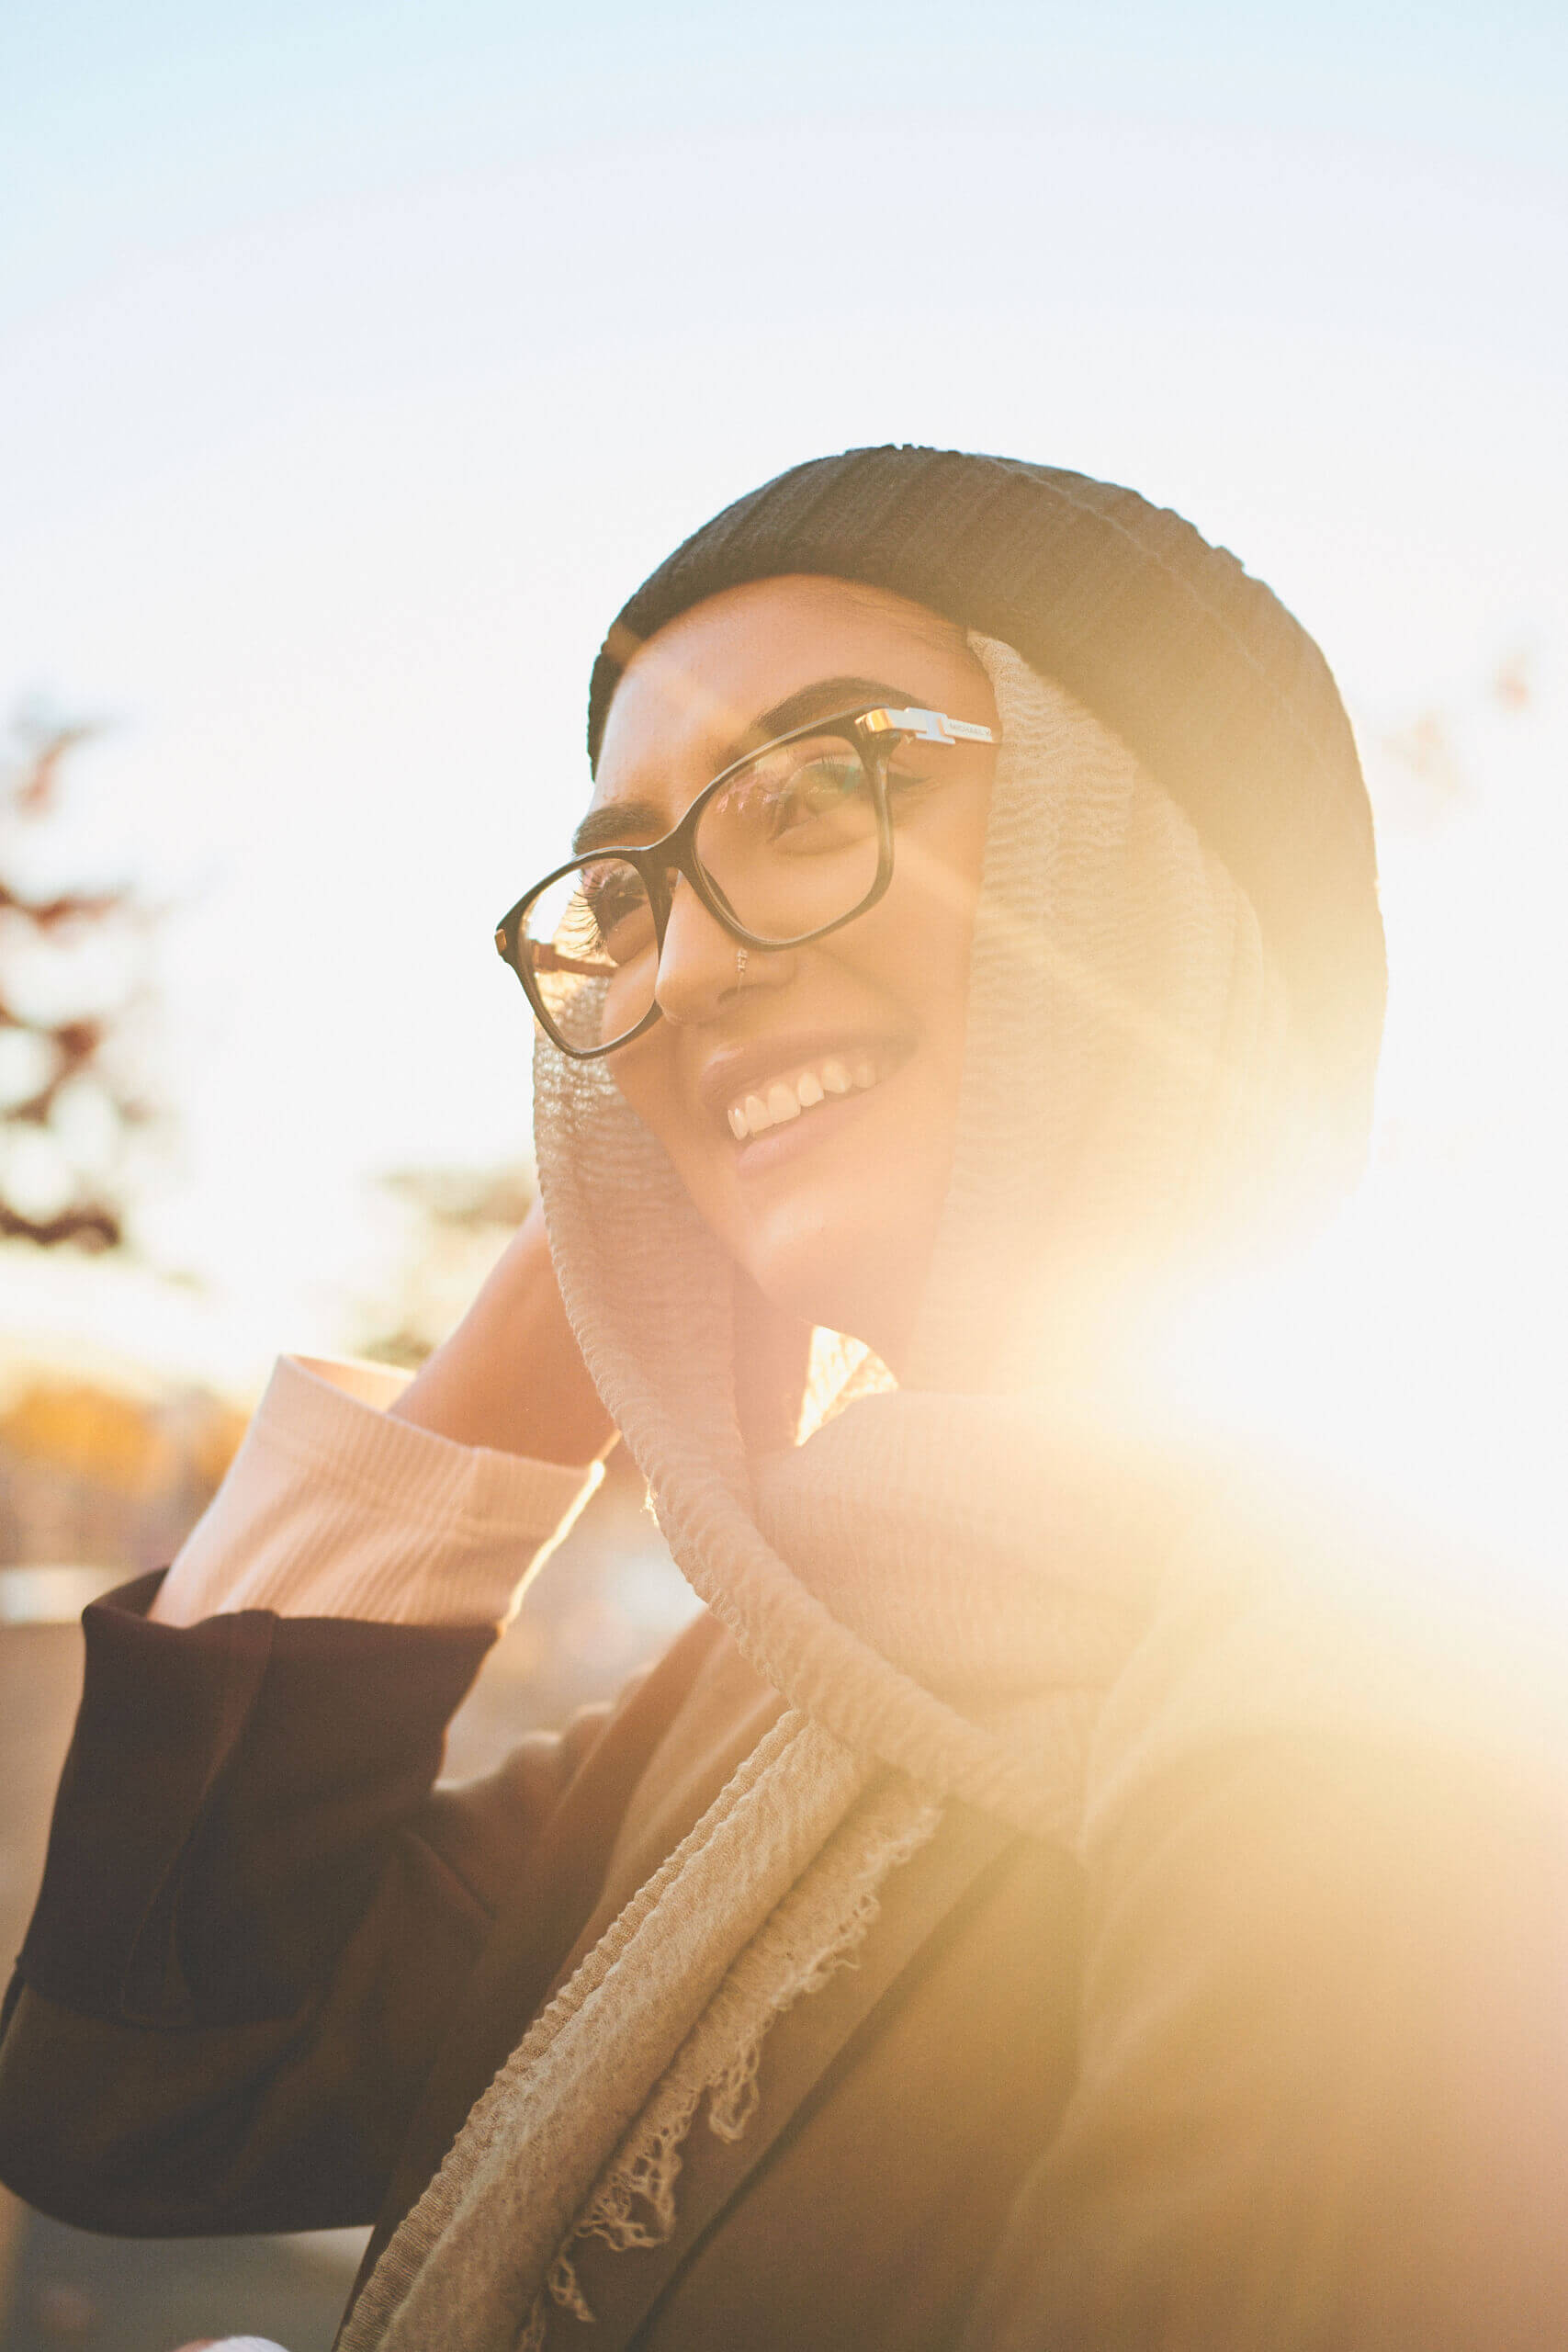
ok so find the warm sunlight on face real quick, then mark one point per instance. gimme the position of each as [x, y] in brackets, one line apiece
[831, 1208]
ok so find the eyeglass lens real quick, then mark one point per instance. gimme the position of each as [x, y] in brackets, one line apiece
[789, 845]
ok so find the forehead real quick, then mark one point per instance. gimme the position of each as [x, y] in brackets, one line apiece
[691, 699]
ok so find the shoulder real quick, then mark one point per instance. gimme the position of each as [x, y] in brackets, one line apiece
[1327, 1788]
[1322, 2094]
[1300, 1621]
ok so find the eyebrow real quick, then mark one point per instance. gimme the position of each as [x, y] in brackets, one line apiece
[634, 823]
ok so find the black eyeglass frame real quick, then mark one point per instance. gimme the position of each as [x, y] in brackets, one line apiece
[874, 732]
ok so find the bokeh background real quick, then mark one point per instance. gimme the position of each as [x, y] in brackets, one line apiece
[355, 362]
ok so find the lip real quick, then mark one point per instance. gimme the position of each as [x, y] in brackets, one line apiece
[759, 1156]
[742, 1069]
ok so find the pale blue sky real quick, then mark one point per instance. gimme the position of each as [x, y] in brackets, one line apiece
[129, 128]
[356, 362]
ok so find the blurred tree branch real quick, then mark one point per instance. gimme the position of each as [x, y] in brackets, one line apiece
[73, 965]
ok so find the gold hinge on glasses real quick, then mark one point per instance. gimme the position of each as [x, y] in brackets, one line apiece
[930, 726]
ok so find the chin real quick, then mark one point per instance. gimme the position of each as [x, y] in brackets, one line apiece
[861, 1276]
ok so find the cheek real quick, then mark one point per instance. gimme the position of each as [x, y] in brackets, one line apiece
[914, 947]
[643, 1081]
[648, 1083]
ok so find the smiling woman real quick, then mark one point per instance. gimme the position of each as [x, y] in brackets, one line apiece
[1034, 1904]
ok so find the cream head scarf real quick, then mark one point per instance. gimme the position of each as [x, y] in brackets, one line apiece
[942, 1581]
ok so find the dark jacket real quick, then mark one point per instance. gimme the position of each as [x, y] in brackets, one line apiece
[1288, 2068]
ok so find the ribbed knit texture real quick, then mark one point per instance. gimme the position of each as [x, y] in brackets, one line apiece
[941, 1586]
[331, 1508]
[1196, 666]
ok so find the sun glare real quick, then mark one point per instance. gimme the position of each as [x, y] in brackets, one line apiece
[1409, 1359]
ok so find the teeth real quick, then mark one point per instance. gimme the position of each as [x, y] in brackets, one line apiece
[785, 1100]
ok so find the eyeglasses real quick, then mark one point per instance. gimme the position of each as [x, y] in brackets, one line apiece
[782, 847]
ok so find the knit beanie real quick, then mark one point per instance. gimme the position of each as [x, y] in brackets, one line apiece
[1196, 666]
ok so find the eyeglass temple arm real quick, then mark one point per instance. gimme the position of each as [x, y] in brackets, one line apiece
[930, 726]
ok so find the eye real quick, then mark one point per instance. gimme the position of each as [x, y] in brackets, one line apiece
[800, 800]
[912, 769]
[616, 897]
[820, 786]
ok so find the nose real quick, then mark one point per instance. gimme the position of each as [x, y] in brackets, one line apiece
[700, 969]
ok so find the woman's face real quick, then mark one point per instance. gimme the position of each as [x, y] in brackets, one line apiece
[833, 1213]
